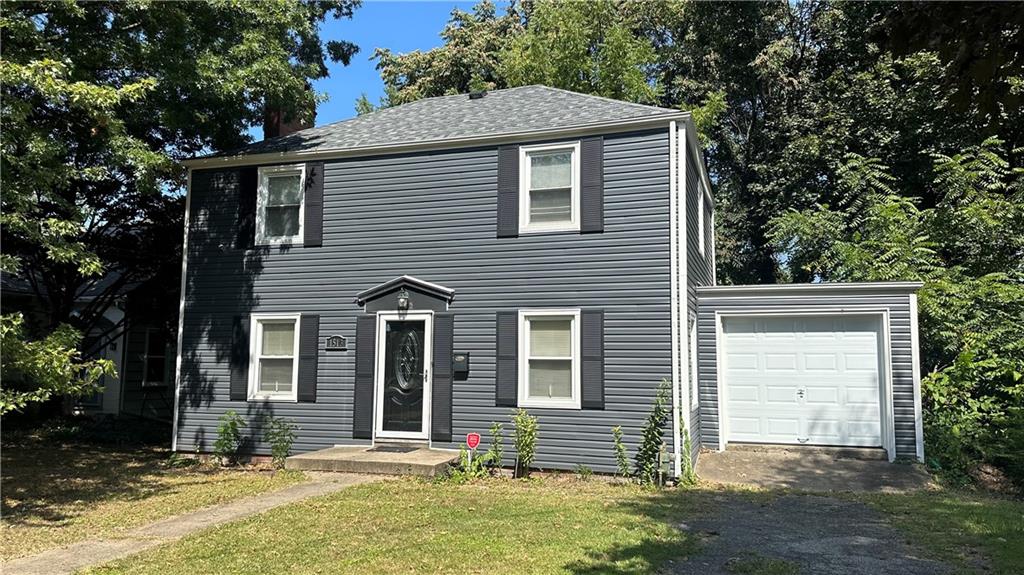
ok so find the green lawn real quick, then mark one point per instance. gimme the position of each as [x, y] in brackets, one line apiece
[497, 526]
[55, 494]
[967, 529]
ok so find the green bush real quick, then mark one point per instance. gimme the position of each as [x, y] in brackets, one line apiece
[468, 469]
[525, 439]
[583, 472]
[621, 458]
[649, 455]
[280, 434]
[229, 437]
[689, 475]
[496, 450]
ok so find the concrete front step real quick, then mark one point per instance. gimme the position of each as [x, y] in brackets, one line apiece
[382, 459]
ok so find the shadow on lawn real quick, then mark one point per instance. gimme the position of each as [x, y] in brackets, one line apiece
[671, 508]
[46, 484]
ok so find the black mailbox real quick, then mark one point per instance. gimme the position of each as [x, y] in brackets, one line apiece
[460, 364]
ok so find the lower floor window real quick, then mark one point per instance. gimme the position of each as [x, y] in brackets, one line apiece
[275, 339]
[549, 348]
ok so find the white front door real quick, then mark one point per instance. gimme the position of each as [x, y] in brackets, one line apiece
[803, 380]
[403, 375]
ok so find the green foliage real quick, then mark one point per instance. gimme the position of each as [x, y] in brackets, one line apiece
[364, 105]
[98, 101]
[689, 474]
[34, 371]
[648, 457]
[968, 248]
[525, 440]
[280, 434]
[621, 458]
[583, 472]
[229, 437]
[469, 469]
[496, 450]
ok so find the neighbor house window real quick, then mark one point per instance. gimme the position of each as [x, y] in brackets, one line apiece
[549, 348]
[274, 370]
[155, 360]
[549, 188]
[279, 205]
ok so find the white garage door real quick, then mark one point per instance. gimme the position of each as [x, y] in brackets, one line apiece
[806, 380]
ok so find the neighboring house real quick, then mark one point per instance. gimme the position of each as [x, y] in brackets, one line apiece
[419, 272]
[133, 333]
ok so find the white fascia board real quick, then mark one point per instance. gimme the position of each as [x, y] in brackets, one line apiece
[793, 289]
[659, 121]
[181, 312]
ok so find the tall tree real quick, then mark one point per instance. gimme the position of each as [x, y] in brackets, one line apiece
[98, 101]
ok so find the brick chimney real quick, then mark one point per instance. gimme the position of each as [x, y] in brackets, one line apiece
[277, 123]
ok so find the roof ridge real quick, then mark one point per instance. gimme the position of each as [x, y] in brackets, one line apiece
[605, 98]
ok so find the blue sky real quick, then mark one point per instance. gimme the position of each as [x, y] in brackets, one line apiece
[398, 26]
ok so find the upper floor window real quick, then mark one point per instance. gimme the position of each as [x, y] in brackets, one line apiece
[279, 205]
[274, 345]
[549, 348]
[549, 188]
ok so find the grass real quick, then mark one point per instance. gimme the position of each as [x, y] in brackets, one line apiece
[973, 531]
[492, 526]
[58, 494]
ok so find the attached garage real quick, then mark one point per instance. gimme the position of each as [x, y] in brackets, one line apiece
[819, 364]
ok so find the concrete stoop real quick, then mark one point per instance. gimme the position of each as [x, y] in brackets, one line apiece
[377, 460]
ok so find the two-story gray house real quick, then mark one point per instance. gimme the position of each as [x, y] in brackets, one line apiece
[419, 272]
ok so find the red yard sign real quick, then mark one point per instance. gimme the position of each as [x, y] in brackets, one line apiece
[472, 440]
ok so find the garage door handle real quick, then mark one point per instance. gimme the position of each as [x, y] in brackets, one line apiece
[800, 393]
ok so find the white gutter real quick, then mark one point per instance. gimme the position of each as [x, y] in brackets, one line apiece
[181, 312]
[673, 171]
[443, 143]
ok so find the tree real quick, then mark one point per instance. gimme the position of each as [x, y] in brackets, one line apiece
[100, 99]
[969, 251]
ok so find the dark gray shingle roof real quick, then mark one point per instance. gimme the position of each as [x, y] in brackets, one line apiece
[523, 109]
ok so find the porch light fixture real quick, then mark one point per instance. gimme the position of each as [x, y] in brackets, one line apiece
[403, 299]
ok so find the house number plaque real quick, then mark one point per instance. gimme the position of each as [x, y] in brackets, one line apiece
[337, 343]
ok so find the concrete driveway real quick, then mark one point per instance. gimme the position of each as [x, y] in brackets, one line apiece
[810, 469]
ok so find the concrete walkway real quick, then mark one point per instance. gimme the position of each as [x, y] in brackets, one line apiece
[96, 551]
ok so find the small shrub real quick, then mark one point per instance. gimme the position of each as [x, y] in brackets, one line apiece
[496, 451]
[689, 475]
[648, 457]
[176, 461]
[229, 437]
[525, 439]
[583, 472]
[280, 434]
[467, 469]
[621, 458]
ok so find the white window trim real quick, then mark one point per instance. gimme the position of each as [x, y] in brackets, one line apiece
[255, 345]
[523, 399]
[261, 204]
[145, 363]
[525, 226]
[694, 369]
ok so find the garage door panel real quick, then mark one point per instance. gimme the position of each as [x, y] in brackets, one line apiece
[803, 380]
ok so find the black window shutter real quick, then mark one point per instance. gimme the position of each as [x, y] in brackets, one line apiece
[592, 184]
[366, 348]
[309, 345]
[441, 390]
[592, 361]
[507, 365]
[313, 222]
[239, 358]
[248, 182]
[508, 191]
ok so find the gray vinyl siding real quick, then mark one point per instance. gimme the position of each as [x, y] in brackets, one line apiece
[699, 272]
[901, 353]
[432, 215]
